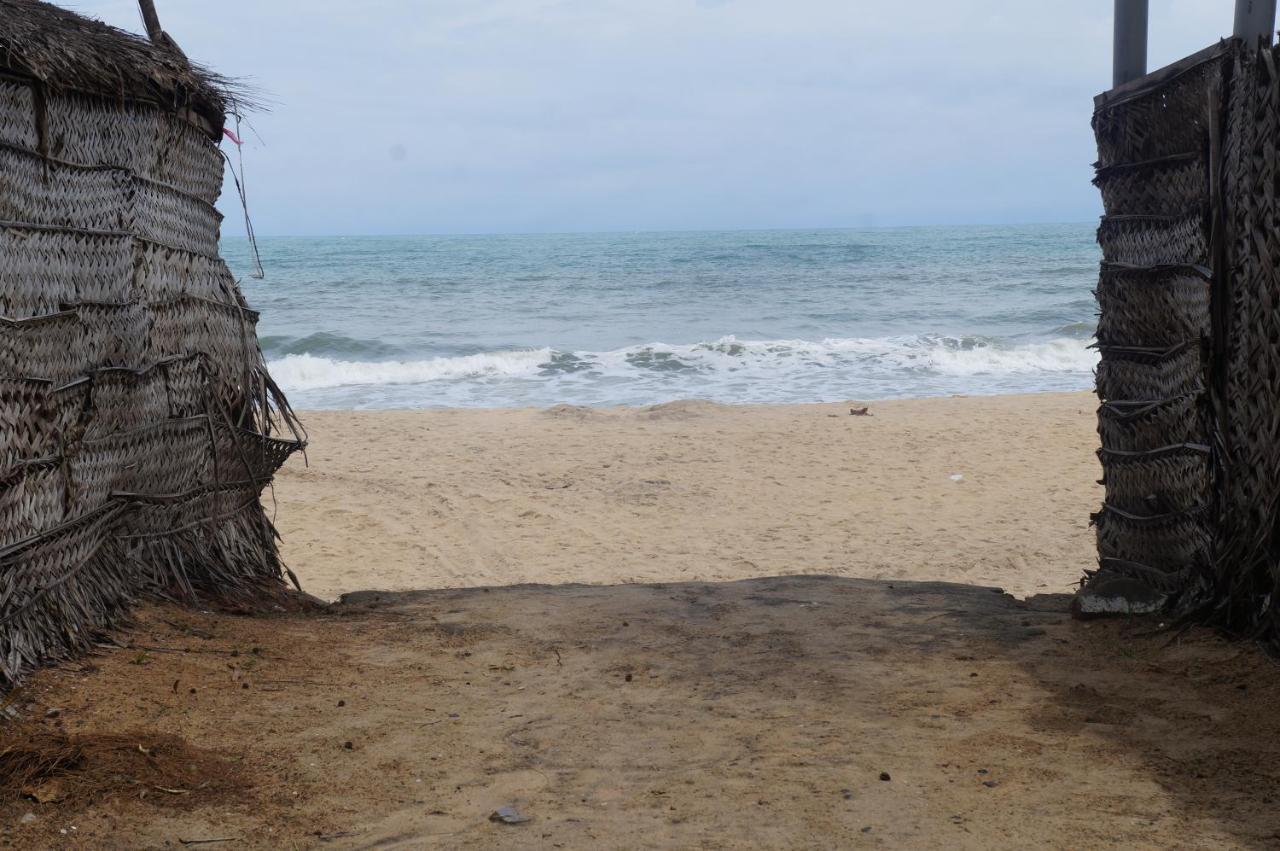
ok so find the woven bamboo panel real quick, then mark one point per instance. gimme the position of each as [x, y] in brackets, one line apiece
[1170, 119]
[1189, 329]
[1145, 426]
[1154, 326]
[1136, 375]
[96, 132]
[165, 457]
[49, 347]
[187, 161]
[15, 107]
[33, 499]
[144, 141]
[223, 334]
[35, 191]
[1172, 186]
[186, 386]
[123, 399]
[1175, 543]
[165, 215]
[245, 455]
[44, 269]
[139, 422]
[114, 333]
[1163, 480]
[1152, 307]
[1146, 241]
[166, 274]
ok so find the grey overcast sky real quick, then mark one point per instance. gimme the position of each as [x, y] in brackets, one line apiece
[470, 116]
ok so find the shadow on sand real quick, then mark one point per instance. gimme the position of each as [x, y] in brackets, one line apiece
[766, 711]
[805, 711]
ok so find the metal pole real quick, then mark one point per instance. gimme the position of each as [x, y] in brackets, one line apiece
[1255, 19]
[1129, 41]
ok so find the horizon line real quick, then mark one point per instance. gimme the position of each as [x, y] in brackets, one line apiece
[639, 231]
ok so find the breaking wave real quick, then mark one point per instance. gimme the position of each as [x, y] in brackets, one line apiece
[727, 369]
[312, 372]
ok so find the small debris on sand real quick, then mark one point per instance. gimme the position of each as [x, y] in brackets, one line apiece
[508, 815]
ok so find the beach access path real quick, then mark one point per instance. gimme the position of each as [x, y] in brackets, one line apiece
[796, 712]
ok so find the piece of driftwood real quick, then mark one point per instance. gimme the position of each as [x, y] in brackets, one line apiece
[138, 424]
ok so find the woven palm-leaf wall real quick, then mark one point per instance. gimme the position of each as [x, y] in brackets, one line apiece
[1189, 334]
[138, 424]
[1246, 384]
[1155, 148]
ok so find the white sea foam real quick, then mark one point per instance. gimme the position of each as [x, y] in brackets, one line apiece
[310, 372]
[1061, 355]
[938, 354]
[727, 369]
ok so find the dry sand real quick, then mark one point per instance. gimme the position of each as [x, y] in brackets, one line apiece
[705, 705]
[696, 491]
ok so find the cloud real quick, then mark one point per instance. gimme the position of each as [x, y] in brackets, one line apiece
[526, 115]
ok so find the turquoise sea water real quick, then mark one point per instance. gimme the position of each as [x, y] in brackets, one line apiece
[641, 318]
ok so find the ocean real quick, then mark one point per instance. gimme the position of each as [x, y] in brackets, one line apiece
[643, 318]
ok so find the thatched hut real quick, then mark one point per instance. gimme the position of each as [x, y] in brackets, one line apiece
[1189, 332]
[137, 420]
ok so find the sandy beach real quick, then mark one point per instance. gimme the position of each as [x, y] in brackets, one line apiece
[978, 490]
[568, 546]
[678, 679]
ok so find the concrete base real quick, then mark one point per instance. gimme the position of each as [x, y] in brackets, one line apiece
[1108, 596]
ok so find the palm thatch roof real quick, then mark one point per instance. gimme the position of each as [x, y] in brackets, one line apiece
[68, 52]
